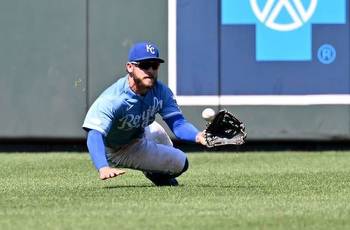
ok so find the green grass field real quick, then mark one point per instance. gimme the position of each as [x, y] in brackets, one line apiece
[276, 190]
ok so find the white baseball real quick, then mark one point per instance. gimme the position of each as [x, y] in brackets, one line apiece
[208, 114]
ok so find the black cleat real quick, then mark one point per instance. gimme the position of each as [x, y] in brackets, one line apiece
[173, 182]
[160, 179]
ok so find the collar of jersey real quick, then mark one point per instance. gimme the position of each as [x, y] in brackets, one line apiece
[129, 91]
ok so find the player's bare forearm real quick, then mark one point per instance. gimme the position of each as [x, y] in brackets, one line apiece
[108, 172]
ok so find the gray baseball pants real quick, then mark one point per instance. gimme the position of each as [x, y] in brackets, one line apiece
[154, 152]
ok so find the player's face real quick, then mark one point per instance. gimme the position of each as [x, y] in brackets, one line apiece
[145, 73]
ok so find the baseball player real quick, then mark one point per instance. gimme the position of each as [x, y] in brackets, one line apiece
[122, 132]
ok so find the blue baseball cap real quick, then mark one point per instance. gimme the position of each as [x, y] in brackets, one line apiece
[144, 51]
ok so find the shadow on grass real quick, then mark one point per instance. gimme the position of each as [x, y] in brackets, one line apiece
[137, 186]
[236, 187]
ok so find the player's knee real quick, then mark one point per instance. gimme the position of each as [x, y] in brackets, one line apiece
[156, 133]
[184, 168]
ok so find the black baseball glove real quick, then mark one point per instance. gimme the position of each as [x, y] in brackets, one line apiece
[224, 129]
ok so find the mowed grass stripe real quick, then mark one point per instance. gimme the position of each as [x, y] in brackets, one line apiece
[286, 190]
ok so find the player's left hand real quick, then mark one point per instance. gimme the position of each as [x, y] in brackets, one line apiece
[108, 172]
[224, 129]
[200, 138]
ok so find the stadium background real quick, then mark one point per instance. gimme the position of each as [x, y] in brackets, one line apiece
[57, 56]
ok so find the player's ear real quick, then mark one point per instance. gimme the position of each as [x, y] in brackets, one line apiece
[129, 67]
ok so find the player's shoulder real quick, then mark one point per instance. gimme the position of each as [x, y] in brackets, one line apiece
[161, 88]
[161, 85]
[114, 94]
[116, 89]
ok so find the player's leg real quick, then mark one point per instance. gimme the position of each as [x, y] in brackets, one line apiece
[160, 162]
[147, 155]
[155, 132]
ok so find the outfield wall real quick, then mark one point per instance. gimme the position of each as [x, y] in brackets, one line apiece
[57, 56]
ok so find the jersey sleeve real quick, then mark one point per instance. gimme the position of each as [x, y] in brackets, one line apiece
[182, 128]
[170, 107]
[96, 149]
[101, 115]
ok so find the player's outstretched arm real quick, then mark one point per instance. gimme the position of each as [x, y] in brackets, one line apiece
[108, 172]
[185, 130]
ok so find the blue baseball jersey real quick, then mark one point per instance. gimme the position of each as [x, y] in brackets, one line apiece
[121, 115]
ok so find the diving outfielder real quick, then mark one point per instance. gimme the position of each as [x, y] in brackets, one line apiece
[122, 132]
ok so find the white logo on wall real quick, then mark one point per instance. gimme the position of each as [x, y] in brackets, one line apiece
[295, 8]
